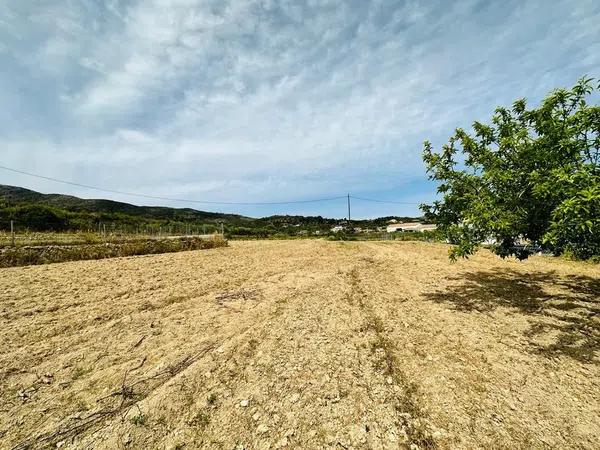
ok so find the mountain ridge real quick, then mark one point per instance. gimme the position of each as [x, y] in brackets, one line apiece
[55, 212]
[20, 195]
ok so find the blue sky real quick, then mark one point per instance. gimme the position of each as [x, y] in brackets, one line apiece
[265, 100]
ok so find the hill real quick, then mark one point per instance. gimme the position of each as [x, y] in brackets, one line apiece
[57, 212]
[14, 195]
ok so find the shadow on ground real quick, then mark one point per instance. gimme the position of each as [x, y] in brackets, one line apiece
[564, 312]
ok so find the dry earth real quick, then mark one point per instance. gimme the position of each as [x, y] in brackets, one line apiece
[301, 344]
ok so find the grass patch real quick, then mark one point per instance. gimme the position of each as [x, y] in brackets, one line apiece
[211, 399]
[139, 419]
[80, 372]
[200, 420]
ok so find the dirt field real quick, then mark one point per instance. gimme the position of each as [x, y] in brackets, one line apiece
[301, 344]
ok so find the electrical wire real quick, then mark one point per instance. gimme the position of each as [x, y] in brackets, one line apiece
[171, 199]
[383, 201]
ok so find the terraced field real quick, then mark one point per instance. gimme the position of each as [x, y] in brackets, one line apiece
[301, 344]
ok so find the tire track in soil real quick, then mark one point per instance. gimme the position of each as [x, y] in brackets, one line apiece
[412, 418]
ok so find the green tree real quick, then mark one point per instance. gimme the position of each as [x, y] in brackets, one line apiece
[532, 176]
[34, 217]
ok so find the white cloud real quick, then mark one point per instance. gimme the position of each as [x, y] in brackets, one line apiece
[266, 100]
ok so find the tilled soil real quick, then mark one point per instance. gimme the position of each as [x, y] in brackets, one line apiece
[301, 344]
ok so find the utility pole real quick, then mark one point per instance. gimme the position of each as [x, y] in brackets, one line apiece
[348, 209]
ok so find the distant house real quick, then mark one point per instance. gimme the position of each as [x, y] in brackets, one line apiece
[428, 227]
[338, 228]
[410, 227]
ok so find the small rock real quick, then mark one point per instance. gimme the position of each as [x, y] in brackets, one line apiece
[256, 416]
[294, 398]
[262, 428]
[358, 434]
[60, 444]
[244, 403]
[389, 380]
[282, 442]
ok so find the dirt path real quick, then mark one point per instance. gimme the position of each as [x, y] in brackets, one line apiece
[301, 344]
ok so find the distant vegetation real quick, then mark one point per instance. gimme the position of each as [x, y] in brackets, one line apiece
[32, 211]
[53, 212]
[530, 179]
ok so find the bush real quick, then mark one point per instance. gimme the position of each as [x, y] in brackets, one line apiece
[34, 217]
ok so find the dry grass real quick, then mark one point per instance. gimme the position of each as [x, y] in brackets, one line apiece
[47, 254]
[301, 344]
[28, 239]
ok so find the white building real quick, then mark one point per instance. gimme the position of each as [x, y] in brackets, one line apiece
[410, 227]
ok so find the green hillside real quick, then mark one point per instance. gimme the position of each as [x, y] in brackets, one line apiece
[34, 211]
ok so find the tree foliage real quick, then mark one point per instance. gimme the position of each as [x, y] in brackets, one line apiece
[531, 176]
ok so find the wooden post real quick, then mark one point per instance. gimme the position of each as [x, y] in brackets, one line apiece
[12, 232]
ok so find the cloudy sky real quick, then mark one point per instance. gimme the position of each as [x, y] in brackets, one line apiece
[268, 100]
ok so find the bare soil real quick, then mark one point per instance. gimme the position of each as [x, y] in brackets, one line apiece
[301, 344]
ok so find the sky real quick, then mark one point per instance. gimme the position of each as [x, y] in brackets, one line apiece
[266, 100]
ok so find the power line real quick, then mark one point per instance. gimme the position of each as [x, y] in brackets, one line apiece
[155, 197]
[211, 202]
[383, 201]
